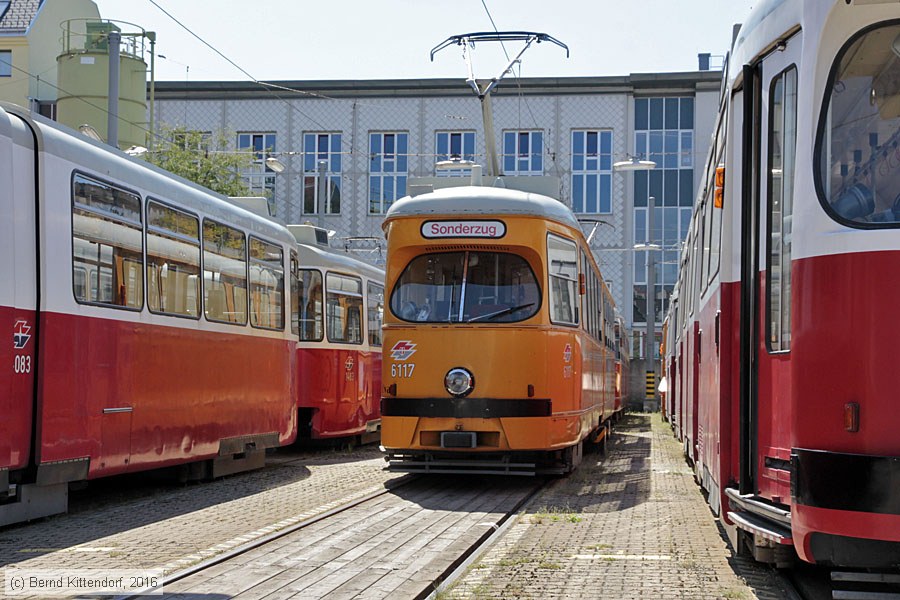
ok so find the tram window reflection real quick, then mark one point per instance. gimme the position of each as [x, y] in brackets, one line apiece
[311, 317]
[343, 308]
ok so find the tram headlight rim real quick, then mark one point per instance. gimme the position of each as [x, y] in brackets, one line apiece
[458, 391]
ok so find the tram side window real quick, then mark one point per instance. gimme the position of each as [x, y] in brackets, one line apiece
[312, 327]
[107, 245]
[589, 296]
[266, 285]
[562, 261]
[173, 261]
[375, 310]
[343, 308]
[782, 153]
[224, 273]
[857, 146]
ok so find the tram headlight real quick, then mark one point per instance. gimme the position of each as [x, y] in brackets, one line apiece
[459, 382]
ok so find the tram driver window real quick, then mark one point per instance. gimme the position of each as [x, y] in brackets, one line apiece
[859, 144]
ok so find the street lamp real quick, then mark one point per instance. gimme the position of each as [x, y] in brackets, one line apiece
[651, 249]
[275, 165]
[634, 163]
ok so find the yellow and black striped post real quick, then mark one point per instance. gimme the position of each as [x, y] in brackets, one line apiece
[650, 385]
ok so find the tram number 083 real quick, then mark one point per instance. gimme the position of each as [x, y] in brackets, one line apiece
[22, 363]
[404, 371]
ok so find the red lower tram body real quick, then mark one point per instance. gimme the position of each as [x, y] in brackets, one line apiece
[846, 422]
[115, 397]
[820, 459]
[340, 395]
[122, 396]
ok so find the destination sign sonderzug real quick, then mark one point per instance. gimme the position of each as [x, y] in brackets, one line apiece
[463, 229]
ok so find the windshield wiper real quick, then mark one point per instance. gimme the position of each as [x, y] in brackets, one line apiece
[502, 311]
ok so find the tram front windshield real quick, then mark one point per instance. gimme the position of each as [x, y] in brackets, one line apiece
[466, 287]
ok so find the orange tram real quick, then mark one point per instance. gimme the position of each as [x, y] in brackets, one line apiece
[500, 350]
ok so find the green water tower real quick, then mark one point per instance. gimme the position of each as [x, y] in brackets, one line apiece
[83, 76]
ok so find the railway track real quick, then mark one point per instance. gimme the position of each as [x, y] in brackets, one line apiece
[402, 542]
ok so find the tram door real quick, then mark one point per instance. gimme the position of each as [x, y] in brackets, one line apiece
[770, 142]
[18, 276]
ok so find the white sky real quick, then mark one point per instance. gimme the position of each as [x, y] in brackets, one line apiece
[391, 39]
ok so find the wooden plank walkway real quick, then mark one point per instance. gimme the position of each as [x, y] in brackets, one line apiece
[393, 546]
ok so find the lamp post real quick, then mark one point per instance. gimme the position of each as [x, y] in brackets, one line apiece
[650, 335]
[633, 163]
[650, 351]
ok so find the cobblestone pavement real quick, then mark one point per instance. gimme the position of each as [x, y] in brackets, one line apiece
[179, 526]
[631, 525]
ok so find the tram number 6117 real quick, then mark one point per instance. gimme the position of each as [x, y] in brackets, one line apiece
[403, 371]
[23, 363]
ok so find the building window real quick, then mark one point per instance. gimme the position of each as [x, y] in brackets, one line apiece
[454, 145]
[592, 172]
[260, 178]
[45, 109]
[318, 148]
[664, 133]
[5, 63]
[523, 152]
[388, 169]
[192, 139]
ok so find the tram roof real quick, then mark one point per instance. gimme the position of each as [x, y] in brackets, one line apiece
[328, 258]
[482, 201]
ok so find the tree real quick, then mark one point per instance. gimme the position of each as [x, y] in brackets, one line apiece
[203, 159]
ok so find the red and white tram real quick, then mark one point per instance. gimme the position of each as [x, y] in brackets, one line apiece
[780, 358]
[341, 302]
[148, 318]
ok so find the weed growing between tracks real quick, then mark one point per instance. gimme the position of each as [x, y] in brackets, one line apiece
[554, 514]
